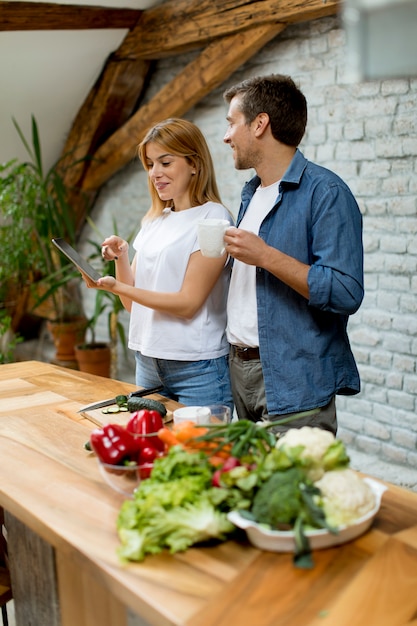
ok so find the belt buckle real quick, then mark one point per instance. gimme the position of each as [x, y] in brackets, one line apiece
[245, 353]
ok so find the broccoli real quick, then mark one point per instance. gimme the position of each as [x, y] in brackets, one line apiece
[279, 500]
[286, 500]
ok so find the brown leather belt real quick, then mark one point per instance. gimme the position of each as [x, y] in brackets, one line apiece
[246, 354]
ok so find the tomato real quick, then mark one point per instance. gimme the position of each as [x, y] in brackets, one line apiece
[145, 470]
[147, 454]
[230, 463]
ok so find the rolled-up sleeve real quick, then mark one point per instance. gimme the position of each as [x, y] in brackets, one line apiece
[330, 290]
[335, 278]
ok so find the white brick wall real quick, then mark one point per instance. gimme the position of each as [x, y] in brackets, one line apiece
[367, 133]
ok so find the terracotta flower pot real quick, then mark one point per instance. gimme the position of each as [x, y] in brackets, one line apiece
[94, 358]
[66, 335]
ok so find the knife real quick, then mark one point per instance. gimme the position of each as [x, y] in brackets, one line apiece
[110, 401]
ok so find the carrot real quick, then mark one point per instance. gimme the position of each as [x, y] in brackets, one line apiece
[216, 461]
[187, 431]
[186, 434]
[168, 437]
[210, 448]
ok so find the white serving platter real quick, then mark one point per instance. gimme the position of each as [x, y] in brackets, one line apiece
[283, 541]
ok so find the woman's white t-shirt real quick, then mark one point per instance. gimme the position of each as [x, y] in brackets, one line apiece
[163, 247]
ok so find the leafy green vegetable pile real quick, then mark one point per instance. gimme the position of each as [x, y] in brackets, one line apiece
[175, 508]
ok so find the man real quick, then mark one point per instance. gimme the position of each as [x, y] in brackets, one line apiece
[298, 264]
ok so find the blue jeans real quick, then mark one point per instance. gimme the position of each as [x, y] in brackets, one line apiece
[193, 383]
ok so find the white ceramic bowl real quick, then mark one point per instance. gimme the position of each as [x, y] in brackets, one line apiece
[283, 541]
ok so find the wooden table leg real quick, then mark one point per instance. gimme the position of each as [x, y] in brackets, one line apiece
[32, 571]
[50, 589]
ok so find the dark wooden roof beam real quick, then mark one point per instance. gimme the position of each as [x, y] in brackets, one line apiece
[177, 26]
[18, 16]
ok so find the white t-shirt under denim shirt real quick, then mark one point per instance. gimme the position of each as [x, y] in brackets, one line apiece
[163, 247]
[242, 315]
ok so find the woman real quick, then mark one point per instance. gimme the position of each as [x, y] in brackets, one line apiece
[176, 296]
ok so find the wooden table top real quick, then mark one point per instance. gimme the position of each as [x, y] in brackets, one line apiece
[53, 485]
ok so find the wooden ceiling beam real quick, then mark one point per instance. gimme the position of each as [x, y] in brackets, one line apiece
[19, 16]
[178, 26]
[216, 63]
[108, 106]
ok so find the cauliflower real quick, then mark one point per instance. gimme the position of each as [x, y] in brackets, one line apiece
[346, 497]
[315, 449]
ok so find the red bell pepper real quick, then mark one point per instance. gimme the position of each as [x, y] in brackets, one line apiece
[111, 443]
[145, 425]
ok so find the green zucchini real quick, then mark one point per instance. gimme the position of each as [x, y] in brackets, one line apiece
[121, 400]
[137, 404]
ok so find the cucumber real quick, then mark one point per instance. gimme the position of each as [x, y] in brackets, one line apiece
[113, 409]
[137, 404]
[121, 400]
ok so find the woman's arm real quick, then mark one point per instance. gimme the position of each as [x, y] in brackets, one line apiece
[201, 275]
[117, 249]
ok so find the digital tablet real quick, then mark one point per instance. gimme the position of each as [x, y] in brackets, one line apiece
[75, 258]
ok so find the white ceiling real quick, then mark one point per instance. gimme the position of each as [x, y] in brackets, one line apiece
[49, 74]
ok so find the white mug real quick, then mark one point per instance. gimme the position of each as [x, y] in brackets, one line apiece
[210, 236]
[197, 414]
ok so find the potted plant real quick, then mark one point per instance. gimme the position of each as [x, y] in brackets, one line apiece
[94, 356]
[8, 338]
[33, 209]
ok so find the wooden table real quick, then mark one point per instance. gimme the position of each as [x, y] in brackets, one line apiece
[60, 519]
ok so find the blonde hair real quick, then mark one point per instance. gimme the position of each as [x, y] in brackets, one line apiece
[182, 138]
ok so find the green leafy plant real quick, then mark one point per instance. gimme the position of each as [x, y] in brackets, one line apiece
[34, 208]
[8, 339]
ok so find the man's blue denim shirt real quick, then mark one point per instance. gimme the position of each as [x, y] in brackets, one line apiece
[304, 347]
